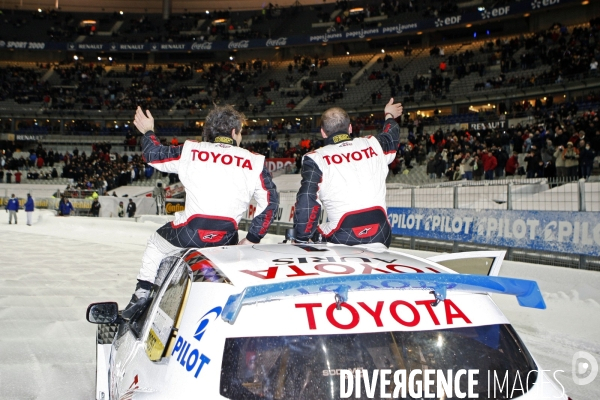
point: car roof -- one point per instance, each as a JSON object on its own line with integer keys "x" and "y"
{"x": 244, "y": 266}
{"x": 268, "y": 272}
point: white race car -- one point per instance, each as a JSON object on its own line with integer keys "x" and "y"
{"x": 320, "y": 322}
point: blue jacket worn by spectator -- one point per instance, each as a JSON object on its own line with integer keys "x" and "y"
{"x": 65, "y": 207}
{"x": 29, "y": 204}
{"x": 29, "y": 207}
{"x": 12, "y": 208}
{"x": 13, "y": 205}
{"x": 587, "y": 156}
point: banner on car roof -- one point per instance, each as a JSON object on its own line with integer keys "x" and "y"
{"x": 509, "y": 10}
{"x": 556, "y": 231}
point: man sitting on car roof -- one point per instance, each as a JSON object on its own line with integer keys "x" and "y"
{"x": 220, "y": 179}
{"x": 347, "y": 176}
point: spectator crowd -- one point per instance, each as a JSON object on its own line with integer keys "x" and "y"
{"x": 563, "y": 143}
{"x": 101, "y": 170}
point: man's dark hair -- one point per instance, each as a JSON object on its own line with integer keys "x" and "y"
{"x": 335, "y": 120}
{"x": 221, "y": 120}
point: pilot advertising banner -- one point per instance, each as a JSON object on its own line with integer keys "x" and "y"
{"x": 556, "y": 231}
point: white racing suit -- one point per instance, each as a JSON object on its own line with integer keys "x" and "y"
{"x": 347, "y": 177}
{"x": 220, "y": 179}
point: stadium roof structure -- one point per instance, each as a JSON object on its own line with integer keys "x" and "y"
{"x": 156, "y": 6}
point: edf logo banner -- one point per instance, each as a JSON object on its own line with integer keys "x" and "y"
{"x": 558, "y": 231}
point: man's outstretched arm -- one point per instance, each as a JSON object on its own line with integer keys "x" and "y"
{"x": 307, "y": 209}
{"x": 163, "y": 158}
{"x": 389, "y": 138}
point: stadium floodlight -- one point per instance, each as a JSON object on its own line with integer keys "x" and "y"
{"x": 121, "y": 12}
{"x": 75, "y": 58}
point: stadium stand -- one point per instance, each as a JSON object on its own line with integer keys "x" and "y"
{"x": 462, "y": 96}
{"x": 353, "y": 81}
{"x": 271, "y": 22}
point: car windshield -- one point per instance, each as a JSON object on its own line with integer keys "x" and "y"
{"x": 308, "y": 367}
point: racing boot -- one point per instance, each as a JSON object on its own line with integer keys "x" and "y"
{"x": 138, "y": 301}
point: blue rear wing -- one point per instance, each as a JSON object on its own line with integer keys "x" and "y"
{"x": 527, "y": 292}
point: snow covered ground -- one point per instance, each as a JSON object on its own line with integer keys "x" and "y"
{"x": 51, "y": 271}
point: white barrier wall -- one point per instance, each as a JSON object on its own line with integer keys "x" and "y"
{"x": 110, "y": 205}
{"x": 20, "y": 190}
{"x": 540, "y": 197}
{"x": 287, "y": 182}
